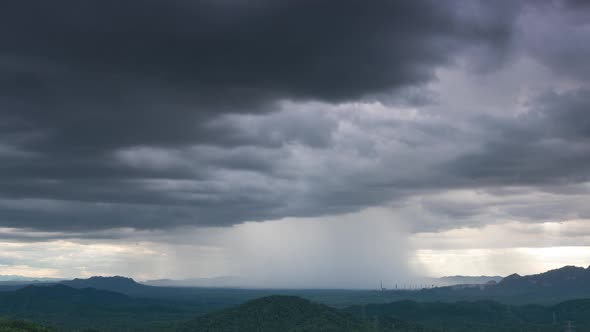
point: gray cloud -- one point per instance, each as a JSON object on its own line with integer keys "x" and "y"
{"x": 549, "y": 144}
{"x": 111, "y": 105}
{"x": 555, "y": 33}
{"x": 156, "y": 115}
{"x": 80, "y": 70}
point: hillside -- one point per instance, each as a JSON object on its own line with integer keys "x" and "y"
{"x": 277, "y": 313}
{"x": 7, "y": 325}
{"x": 65, "y": 307}
{"x": 68, "y": 308}
{"x": 290, "y": 313}
{"x": 119, "y": 303}
{"x": 482, "y": 315}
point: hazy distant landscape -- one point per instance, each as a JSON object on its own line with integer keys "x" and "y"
{"x": 543, "y": 302}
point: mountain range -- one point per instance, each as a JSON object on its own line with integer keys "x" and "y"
{"x": 550, "y": 287}
{"x": 237, "y": 282}
{"x": 220, "y": 282}
{"x": 16, "y": 278}
{"x": 224, "y": 281}
{"x": 70, "y": 309}
{"x": 464, "y": 280}
{"x": 567, "y": 277}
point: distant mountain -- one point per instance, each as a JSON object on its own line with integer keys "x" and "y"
{"x": 209, "y": 298}
{"x": 237, "y": 282}
{"x": 290, "y": 313}
{"x": 15, "y": 278}
{"x": 567, "y": 277}
{"x": 228, "y": 281}
{"x": 9, "y": 283}
{"x": 465, "y": 280}
{"x": 14, "y": 285}
{"x": 546, "y": 288}
{"x": 116, "y": 284}
{"x": 563, "y": 284}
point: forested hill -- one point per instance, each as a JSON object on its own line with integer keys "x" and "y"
{"x": 68, "y": 308}
{"x": 8, "y": 325}
{"x": 290, "y": 313}
{"x": 484, "y": 316}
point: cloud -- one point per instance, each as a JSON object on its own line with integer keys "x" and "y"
{"x": 98, "y": 75}
{"x": 160, "y": 115}
{"x": 502, "y": 261}
{"x": 554, "y": 32}
{"x": 548, "y": 144}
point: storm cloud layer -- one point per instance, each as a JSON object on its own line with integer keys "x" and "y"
{"x": 161, "y": 114}
{"x": 158, "y": 73}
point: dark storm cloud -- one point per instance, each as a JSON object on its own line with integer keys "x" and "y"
{"x": 549, "y": 144}
{"x": 155, "y": 114}
{"x": 102, "y": 74}
{"x": 556, "y": 33}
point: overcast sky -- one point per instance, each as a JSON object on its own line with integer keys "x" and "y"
{"x": 294, "y": 143}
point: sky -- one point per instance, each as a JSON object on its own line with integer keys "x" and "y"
{"x": 294, "y": 143}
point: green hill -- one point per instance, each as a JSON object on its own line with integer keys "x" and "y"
{"x": 482, "y": 315}
{"x": 72, "y": 309}
{"x": 277, "y": 313}
{"x": 7, "y": 325}
{"x": 290, "y": 314}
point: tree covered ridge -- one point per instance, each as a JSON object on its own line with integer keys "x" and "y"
{"x": 8, "y": 325}
{"x": 292, "y": 314}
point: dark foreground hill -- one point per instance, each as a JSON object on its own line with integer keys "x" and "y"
{"x": 483, "y": 316}
{"x": 67, "y": 308}
{"x": 7, "y": 325}
{"x": 70, "y": 309}
{"x": 277, "y": 313}
{"x": 290, "y": 313}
